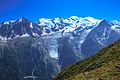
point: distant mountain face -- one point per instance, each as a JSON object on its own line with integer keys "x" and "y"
{"x": 23, "y": 59}
{"x": 102, "y": 35}
{"x": 64, "y": 41}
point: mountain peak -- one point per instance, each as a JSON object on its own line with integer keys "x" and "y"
{"x": 104, "y": 20}
{"x": 104, "y": 23}
{"x": 23, "y": 19}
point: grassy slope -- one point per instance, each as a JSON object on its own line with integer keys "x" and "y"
{"x": 105, "y": 65}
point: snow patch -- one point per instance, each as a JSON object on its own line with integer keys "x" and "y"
{"x": 6, "y": 22}
{"x": 25, "y": 35}
{"x": 31, "y": 25}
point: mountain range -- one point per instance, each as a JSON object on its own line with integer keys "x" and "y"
{"x": 45, "y": 47}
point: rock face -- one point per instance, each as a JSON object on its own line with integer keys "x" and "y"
{"x": 99, "y": 37}
{"x": 41, "y": 49}
{"x": 20, "y": 28}
{"x": 66, "y": 53}
{"x": 23, "y": 59}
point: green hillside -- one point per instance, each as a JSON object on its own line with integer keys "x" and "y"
{"x": 105, "y": 65}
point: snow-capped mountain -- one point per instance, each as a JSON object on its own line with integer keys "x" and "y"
{"x": 19, "y": 28}
{"x": 24, "y": 28}
{"x": 55, "y": 43}
{"x": 102, "y": 35}
{"x": 67, "y": 25}
{"x": 77, "y": 30}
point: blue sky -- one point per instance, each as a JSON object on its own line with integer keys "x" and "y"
{"x": 35, "y": 9}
